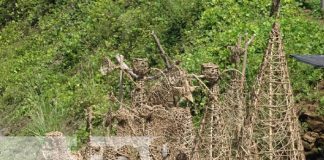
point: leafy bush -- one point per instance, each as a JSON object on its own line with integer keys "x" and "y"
{"x": 313, "y": 6}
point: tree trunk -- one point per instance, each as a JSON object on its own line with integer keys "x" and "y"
{"x": 275, "y": 8}
{"x": 322, "y": 5}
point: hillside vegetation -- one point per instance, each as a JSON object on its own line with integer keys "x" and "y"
{"x": 51, "y": 51}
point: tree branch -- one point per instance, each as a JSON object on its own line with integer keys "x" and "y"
{"x": 162, "y": 52}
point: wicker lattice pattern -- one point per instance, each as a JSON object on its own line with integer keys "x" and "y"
{"x": 171, "y": 88}
{"x": 272, "y": 130}
{"x": 214, "y": 137}
{"x": 231, "y": 128}
{"x": 156, "y": 114}
{"x": 234, "y": 97}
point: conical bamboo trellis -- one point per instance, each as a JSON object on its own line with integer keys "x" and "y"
{"x": 271, "y": 128}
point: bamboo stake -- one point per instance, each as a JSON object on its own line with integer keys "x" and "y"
{"x": 121, "y": 88}
{"x": 89, "y": 128}
{"x": 247, "y": 43}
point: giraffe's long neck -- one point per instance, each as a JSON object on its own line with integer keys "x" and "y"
{"x": 139, "y": 95}
{"x": 214, "y": 88}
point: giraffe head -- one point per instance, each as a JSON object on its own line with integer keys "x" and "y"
{"x": 140, "y": 66}
{"x": 210, "y": 72}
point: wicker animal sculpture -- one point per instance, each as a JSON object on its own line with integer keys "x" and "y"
{"x": 172, "y": 130}
{"x": 212, "y": 141}
{"x": 139, "y": 94}
{"x": 171, "y": 88}
{"x": 131, "y": 121}
{"x": 234, "y": 97}
{"x": 171, "y": 127}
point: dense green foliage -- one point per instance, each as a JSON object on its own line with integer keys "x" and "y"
{"x": 313, "y": 6}
{"x": 51, "y": 50}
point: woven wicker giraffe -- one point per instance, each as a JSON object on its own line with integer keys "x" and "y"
{"x": 131, "y": 121}
{"x": 174, "y": 83}
{"x": 234, "y": 97}
{"x": 171, "y": 87}
{"x": 139, "y": 94}
{"x": 271, "y": 129}
{"x": 213, "y": 141}
{"x": 171, "y": 125}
